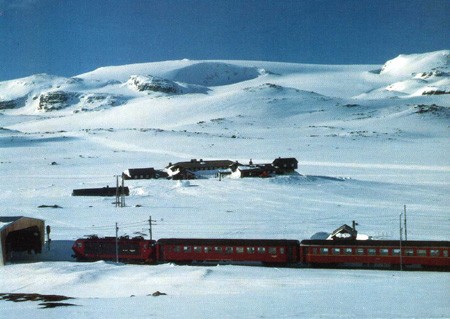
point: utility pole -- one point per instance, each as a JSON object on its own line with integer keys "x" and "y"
{"x": 406, "y": 231}
{"x": 122, "y": 199}
{"x": 117, "y": 244}
{"x": 401, "y": 237}
{"x": 354, "y": 224}
{"x": 48, "y": 229}
{"x": 117, "y": 190}
{"x": 150, "y": 221}
{"x": 120, "y": 192}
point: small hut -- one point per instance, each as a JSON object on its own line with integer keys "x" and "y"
{"x": 19, "y": 233}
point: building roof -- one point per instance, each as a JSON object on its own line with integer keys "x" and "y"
{"x": 6, "y": 220}
{"x": 286, "y": 159}
{"x": 200, "y": 164}
{"x": 344, "y": 232}
{"x": 227, "y": 241}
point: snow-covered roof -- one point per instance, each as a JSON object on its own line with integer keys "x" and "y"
{"x": 6, "y": 220}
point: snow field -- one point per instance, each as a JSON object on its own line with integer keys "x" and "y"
{"x": 364, "y": 151}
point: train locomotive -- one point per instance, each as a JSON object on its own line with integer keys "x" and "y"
{"x": 131, "y": 250}
{"x": 331, "y": 253}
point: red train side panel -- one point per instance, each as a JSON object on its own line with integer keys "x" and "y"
{"x": 427, "y": 254}
{"x": 265, "y": 251}
{"x": 129, "y": 249}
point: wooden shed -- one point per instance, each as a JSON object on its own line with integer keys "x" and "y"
{"x": 20, "y": 233}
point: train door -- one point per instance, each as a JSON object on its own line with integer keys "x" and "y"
{"x": 292, "y": 253}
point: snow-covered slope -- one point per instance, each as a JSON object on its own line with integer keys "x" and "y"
{"x": 418, "y": 74}
{"x": 405, "y": 65}
{"x": 367, "y": 141}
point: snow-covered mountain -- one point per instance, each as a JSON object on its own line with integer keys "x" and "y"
{"x": 369, "y": 139}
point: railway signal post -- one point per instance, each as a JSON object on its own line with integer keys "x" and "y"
{"x": 150, "y": 224}
{"x": 117, "y": 244}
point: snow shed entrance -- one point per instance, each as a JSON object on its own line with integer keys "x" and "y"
{"x": 18, "y": 234}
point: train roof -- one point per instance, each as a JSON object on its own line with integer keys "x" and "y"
{"x": 122, "y": 238}
{"x": 231, "y": 242}
{"x": 396, "y": 243}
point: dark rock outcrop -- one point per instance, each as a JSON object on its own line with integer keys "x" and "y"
{"x": 56, "y": 100}
{"x": 148, "y": 83}
{"x": 4, "y": 105}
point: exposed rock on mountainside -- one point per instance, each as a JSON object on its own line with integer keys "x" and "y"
{"x": 433, "y": 109}
{"x": 98, "y": 101}
{"x": 415, "y": 75}
{"x": 150, "y": 83}
{"x": 407, "y": 65}
{"x": 7, "y": 104}
{"x": 436, "y": 92}
{"x": 56, "y": 100}
{"x": 426, "y": 75}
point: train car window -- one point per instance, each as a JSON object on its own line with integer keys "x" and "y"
{"x": 409, "y": 252}
{"x": 445, "y": 252}
{"x": 208, "y": 249}
{"x": 250, "y": 250}
{"x": 371, "y": 251}
{"x": 421, "y": 252}
{"x": 197, "y": 249}
{"x": 396, "y": 252}
{"x": 336, "y": 251}
{"x": 240, "y": 250}
{"x": 314, "y": 251}
{"x": 360, "y": 251}
{"x": 187, "y": 249}
{"x": 228, "y": 250}
{"x": 261, "y": 250}
{"x": 348, "y": 251}
{"x": 384, "y": 251}
{"x": 282, "y": 250}
{"x": 272, "y": 250}
{"x": 218, "y": 249}
{"x": 324, "y": 251}
{"x": 434, "y": 252}
{"x": 176, "y": 249}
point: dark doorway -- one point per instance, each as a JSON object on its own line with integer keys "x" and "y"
{"x": 27, "y": 239}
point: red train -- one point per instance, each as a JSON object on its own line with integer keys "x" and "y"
{"x": 136, "y": 249}
{"x": 376, "y": 253}
{"x": 274, "y": 252}
{"x": 248, "y": 251}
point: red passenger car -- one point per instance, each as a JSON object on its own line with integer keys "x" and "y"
{"x": 135, "y": 249}
{"x": 262, "y": 251}
{"x": 376, "y": 253}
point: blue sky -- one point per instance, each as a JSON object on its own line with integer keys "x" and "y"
{"x": 69, "y": 37}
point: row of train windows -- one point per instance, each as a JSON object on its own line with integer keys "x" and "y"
{"x": 228, "y": 249}
{"x": 381, "y": 251}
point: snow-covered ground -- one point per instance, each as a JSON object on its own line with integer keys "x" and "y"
{"x": 369, "y": 139}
